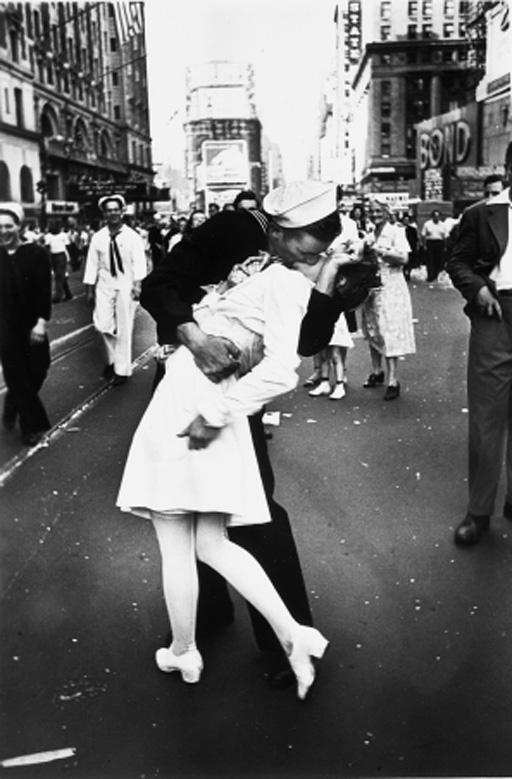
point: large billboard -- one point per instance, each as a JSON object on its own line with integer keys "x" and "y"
{"x": 226, "y": 162}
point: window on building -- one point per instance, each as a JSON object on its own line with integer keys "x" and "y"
{"x": 385, "y": 59}
{"x": 412, "y": 31}
{"x": 18, "y": 107}
{"x": 49, "y": 73}
{"x": 385, "y": 32}
{"x": 413, "y": 9}
{"x": 113, "y": 44}
{"x": 26, "y": 184}
{"x": 463, "y": 7}
{"x": 449, "y": 7}
{"x": 134, "y": 152}
{"x": 385, "y": 110}
{"x": 115, "y": 78}
{"x": 385, "y": 89}
{"x": 28, "y": 19}
{"x": 5, "y": 181}
{"x": 117, "y": 112}
{"x": 426, "y": 30}
{"x": 448, "y": 30}
{"x": 448, "y": 56}
{"x": 427, "y": 7}
{"x": 15, "y": 51}
{"x": 7, "y": 102}
{"x": 462, "y": 30}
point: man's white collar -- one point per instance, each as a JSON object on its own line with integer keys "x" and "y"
{"x": 503, "y": 197}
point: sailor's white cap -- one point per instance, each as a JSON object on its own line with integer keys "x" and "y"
{"x": 104, "y": 200}
{"x": 14, "y": 209}
{"x": 300, "y": 203}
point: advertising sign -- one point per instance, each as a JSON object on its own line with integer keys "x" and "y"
{"x": 226, "y": 162}
{"x": 449, "y": 139}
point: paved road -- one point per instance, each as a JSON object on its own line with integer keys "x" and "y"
{"x": 417, "y": 681}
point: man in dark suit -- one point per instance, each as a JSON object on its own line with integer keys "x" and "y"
{"x": 480, "y": 267}
{"x": 206, "y": 257}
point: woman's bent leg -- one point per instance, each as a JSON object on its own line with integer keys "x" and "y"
{"x": 179, "y": 576}
{"x": 247, "y": 576}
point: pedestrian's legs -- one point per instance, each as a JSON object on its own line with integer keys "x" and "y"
{"x": 176, "y": 538}
{"x": 338, "y": 357}
{"x": 247, "y": 576}
{"x": 489, "y": 388}
{"x": 10, "y": 411}
{"x": 376, "y": 359}
{"x": 125, "y": 308}
{"x": 25, "y": 367}
{"x": 59, "y": 275}
{"x": 392, "y": 365}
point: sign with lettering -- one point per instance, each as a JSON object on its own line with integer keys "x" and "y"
{"x": 226, "y": 162}
{"x": 449, "y": 139}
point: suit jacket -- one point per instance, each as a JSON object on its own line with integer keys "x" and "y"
{"x": 481, "y": 242}
{"x": 206, "y": 257}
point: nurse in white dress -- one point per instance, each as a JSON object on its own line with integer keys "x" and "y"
{"x": 192, "y": 468}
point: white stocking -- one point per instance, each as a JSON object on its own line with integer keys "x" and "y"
{"x": 176, "y": 537}
{"x": 243, "y": 572}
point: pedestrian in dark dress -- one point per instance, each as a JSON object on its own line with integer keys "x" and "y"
{"x": 413, "y": 239}
{"x": 25, "y": 309}
{"x": 168, "y": 293}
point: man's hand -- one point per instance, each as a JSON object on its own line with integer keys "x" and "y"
{"x": 38, "y": 332}
{"x": 326, "y": 280}
{"x": 200, "y": 435}
{"x": 216, "y": 357}
{"x": 487, "y": 303}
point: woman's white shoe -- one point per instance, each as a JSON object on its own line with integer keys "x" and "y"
{"x": 306, "y": 643}
{"x": 324, "y": 388}
{"x": 190, "y": 664}
{"x": 338, "y": 392}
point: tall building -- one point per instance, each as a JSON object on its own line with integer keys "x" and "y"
{"x": 74, "y": 120}
{"x": 416, "y": 63}
{"x": 223, "y": 132}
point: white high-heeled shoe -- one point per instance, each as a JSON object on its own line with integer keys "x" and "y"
{"x": 324, "y": 388}
{"x": 305, "y": 643}
{"x": 189, "y": 664}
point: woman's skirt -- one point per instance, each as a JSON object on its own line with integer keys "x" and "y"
{"x": 163, "y": 475}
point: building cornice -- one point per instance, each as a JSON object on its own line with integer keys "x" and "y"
{"x": 11, "y": 67}
{"x": 19, "y": 132}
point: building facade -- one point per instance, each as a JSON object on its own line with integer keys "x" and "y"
{"x": 223, "y": 133}
{"x": 73, "y": 105}
{"x": 417, "y": 63}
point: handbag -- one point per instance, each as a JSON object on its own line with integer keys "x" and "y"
{"x": 355, "y": 280}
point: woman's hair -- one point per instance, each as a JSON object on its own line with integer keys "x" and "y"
{"x": 325, "y": 229}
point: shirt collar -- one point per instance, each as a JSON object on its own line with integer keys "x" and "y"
{"x": 503, "y": 197}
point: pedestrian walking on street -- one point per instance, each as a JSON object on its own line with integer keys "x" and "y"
{"x": 480, "y": 267}
{"x": 56, "y": 242}
{"x": 25, "y": 310}
{"x": 433, "y": 235}
{"x": 114, "y": 269}
{"x": 192, "y": 467}
{"x": 207, "y": 257}
{"x": 387, "y": 313}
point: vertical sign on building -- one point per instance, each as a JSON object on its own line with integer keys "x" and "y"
{"x": 353, "y": 31}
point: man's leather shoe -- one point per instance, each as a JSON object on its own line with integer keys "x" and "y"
{"x": 119, "y": 380}
{"x": 32, "y": 439}
{"x": 281, "y": 678}
{"x": 471, "y": 530}
{"x": 108, "y": 372}
{"x": 507, "y": 510}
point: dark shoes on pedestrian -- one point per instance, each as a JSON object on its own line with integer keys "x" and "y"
{"x": 108, "y": 372}
{"x": 471, "y": 529}
{"x": 32, "y": 439}
{"x": 9, "y": 422}
{"x": 507, "y": 510}
{"x": 119, "y": 380}
{"x": 392, "y": 391}
{"x": 374, "y": 380}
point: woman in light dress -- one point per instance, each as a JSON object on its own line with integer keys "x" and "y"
{"x": 387, "y": 312}
{"x": 192, "y": 469}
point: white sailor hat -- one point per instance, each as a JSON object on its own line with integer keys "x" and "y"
{"x": 104, "y": 200}
{"x": 300, "y": 203}
{"x": 14, "y": 209}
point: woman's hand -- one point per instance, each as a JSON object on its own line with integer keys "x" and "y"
{"x": 200, "y": 435}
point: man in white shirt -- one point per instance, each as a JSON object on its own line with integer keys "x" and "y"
{"x": 433, "y": 234}
{"x": 481, "y": 268}
{"x": 114, "y": 269}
